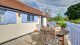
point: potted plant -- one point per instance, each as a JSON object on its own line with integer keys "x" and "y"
{"x": 62, "y": 24}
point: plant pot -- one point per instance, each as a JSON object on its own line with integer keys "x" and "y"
{"x": 64, "y": 31}
{"x": 62, "y": 28}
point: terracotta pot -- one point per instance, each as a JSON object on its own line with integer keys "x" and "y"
{"x": 36, "y": 30}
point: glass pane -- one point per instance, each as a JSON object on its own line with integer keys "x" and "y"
{"x": 24, "y": 18}
{"x": 35, "y": 18}
{"x": 2, "y": 17}
{"x": 28, "y": 17}
{"x": 11, "y": 17}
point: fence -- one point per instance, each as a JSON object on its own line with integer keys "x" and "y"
{"x": 74, "y": 34}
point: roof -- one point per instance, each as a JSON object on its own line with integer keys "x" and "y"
{"x": 14, "y": 4}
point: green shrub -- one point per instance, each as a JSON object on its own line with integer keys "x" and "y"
{"x": 62, "y": 24}
{"x": 75, "y": 21}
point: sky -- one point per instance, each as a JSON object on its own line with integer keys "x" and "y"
{"x": 53, "y": 6}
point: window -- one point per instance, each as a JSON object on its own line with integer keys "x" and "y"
{"x": 24, "y": 18}
{"x": 31, "y": 17}
{"x": 7, "y": 17}
{"x": 28, "y": 18}
{"x": 11, "y": 17}
{"x": 35, "y": 18}
{"x": 2, "y": 17}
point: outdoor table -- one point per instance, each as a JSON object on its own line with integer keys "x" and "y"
{"x": 47, "y": 35}
{"x": 61, "y": 35}
{"x": 52, "y": 32}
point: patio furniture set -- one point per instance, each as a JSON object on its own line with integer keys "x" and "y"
{"x": 50, "y": 36}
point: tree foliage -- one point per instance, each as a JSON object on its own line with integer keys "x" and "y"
{"x": 60, "y": 21}
{"x": 58, "y": 18}
{"x": 50, "y": 19}
{"x": 73, "y": 12}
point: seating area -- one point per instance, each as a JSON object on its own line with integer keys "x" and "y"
{"x": 46, "y": 36}
{"x": 49, "y": 36}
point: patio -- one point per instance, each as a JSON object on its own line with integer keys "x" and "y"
{"x": 32, "y": 39}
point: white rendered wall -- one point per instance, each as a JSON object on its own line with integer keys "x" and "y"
{"x": 38, "y": 23}
{"x": 11, "y": 31}
{"x": 44, "y": 21}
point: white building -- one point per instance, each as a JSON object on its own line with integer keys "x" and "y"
{"x": 17, "y": 19}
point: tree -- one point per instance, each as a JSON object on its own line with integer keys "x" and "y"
{"x": 73, "y": 12}
{"x": 50, "y": 19}
{"x": 58, "y": 17}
